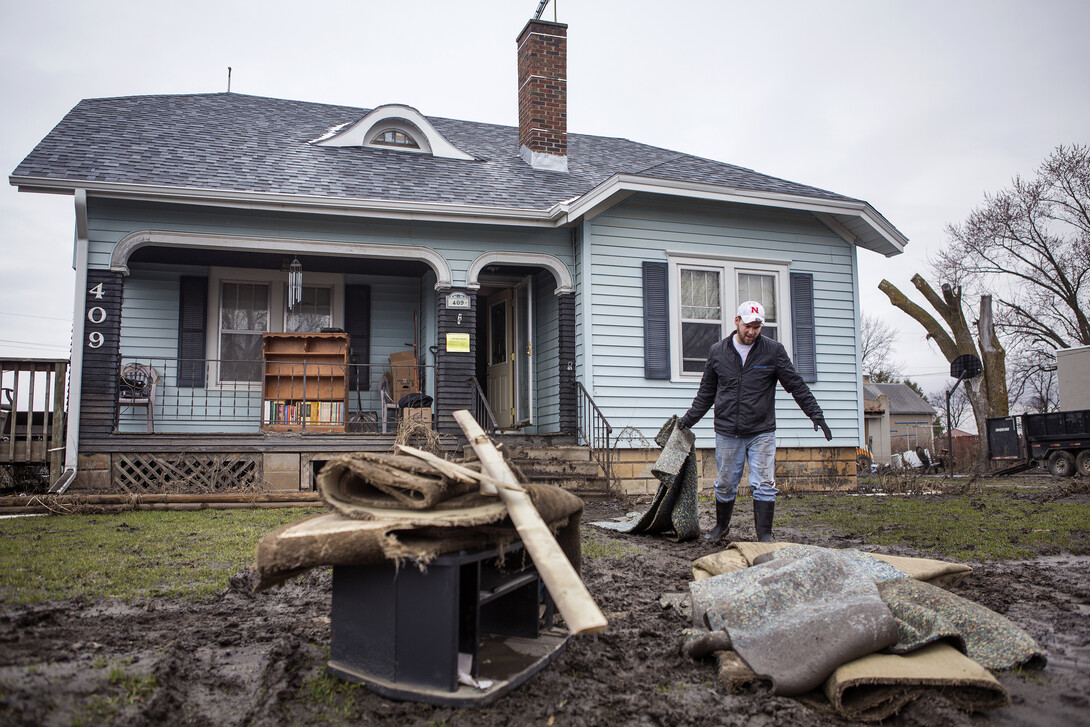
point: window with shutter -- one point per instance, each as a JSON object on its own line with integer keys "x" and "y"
{"x": 704, "y": 297}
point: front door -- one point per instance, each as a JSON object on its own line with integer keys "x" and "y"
{"x": 510, "y": 355}
{"x": 501, "y": 359}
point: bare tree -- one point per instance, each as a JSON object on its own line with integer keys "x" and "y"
{"x": 1029, "y": 246}
{"x": 959, "y": 406}
{"x": 987, "y": 393}
{"x": 877, "y": 338}
{"x": 1033, "y": 382}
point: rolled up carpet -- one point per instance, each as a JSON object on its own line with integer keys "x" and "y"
{"x": 877, "y": 686}
{"x": 353, "y": 483}
{"x": 414, "y": 537}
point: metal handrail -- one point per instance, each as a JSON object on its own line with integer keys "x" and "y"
{"x": 482, "y": 412}
{"x": 595, "y": 431}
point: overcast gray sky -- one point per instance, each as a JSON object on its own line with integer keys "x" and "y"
{"x": 919, "y": 107}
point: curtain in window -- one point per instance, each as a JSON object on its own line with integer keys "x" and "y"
{"x": 244, "y": 316}
{"x": 313, "y": 312}
{"x": 701, "y": 316}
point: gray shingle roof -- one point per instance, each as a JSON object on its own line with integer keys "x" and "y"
{"x": 903, "y": 400}
{"x": 250, "y": 144}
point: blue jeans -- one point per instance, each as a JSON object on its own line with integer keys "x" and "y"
{"x": 731, "y": 454}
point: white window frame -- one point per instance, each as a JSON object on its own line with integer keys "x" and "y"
{"x": 728, "y": 269}
{"x": 278, "y": 313}
{"x": 307, "y": 283}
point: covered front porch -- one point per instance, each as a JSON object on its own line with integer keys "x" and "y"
{"x": 178, "y": 379}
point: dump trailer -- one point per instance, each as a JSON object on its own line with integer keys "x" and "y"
{"x": 1058, "y": 440}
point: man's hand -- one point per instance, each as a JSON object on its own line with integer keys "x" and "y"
{"x": 820, "y": 422}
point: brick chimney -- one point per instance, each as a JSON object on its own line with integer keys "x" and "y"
{"x": 543, "y": 95}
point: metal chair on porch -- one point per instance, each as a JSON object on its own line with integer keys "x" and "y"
{"x": 138, "y": 382}
{"x": 387, "y": 403}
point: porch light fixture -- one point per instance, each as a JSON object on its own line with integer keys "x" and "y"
{"x": 295, "y": 283}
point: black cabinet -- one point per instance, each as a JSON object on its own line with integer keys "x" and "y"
{"x": 400, "y": 630}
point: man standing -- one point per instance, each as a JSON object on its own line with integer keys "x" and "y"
{"x": 740, "y": 379}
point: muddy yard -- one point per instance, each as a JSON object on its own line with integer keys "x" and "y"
{"x": 244, "y": 659}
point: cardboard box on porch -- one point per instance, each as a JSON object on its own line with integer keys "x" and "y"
{"x": 405, "y": 376}
{"x": 416, "y": 414}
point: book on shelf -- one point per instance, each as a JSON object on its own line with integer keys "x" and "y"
{"x": 280, "y": 411}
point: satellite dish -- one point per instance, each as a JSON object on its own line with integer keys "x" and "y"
{"x": 966, "y": 366}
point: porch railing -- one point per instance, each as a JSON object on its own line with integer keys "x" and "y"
{"x": 482, "y": 412}
{"x": 248, "y": 397}
{"x": 32, "y": 413}
{"x": 595, "y": 431}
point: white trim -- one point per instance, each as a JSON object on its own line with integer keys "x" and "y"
{"x": 727, "y": 268}
{"x": 550, "y": 262}
{"x": 886, "y": 239}
{"x": 75, "y": 371}
{"x": 857, "y": 311}
{"x": 426, "y": 135}
{"x": 833, "y": 224}
{"x": 141, "y": 238}
{"x": 304, "y": 204}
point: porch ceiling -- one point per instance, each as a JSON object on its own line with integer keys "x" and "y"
{"x": 152, "y": 254}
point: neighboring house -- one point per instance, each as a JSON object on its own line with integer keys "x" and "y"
{"x": 876, "y": 422}
{"x": 512, "y": 264}
{"x": 910, "y": 418}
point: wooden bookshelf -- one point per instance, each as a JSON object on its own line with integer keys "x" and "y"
{"x": 305, "y": 384}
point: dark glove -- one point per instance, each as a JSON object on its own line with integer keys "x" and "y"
{"x": 820, "y": 422}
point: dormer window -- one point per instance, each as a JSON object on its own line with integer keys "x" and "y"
{"x": 393, "y": 137}
{"x": 393, "y": 126}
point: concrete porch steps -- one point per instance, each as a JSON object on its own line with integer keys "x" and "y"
{"x": 568, "y": 466}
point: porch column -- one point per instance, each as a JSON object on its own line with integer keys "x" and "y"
{"x": 101, "y": 354}
{"x": 454, "y": 367}
{"x": 568, "y": 401}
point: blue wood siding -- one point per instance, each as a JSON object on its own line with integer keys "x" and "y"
{"x": 643, "y": 228}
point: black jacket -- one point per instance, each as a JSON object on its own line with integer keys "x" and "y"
{"x": 745, "y": 396}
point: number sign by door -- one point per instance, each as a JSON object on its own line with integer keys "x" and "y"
{"x": 96, "y": 315}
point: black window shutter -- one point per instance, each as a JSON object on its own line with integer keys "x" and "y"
{"x": 192, "y": 314}
{"x": 802, "y": 326}
{"x": 357, "y": 324}
{"x": 656, "y": 321}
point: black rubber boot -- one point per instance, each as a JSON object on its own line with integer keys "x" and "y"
{"x": 723, "y": 512}
{"x": 762, "y": 518}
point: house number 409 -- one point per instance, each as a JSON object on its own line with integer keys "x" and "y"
{"x": 96, "y": 315}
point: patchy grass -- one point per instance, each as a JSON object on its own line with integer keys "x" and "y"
{"x": 140, "y": 554}
{"x": 331, "y": 697}
{"x": 975, "y": 524}
{"x": 605, "y": 547}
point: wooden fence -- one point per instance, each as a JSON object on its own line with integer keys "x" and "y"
{"x": 32, "y": 415}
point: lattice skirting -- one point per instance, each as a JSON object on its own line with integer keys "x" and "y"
{"x": 187, "y": 473}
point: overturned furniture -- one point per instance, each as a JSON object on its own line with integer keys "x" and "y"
{"x": 437, "y": 586}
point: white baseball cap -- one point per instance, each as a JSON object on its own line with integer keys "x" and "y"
{"x": 751, "y": 311}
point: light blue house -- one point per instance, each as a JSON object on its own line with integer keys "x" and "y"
{"x": 533, "y": 275}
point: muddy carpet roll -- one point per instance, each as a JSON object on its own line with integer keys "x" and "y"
{"x": 353, "y": 484}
